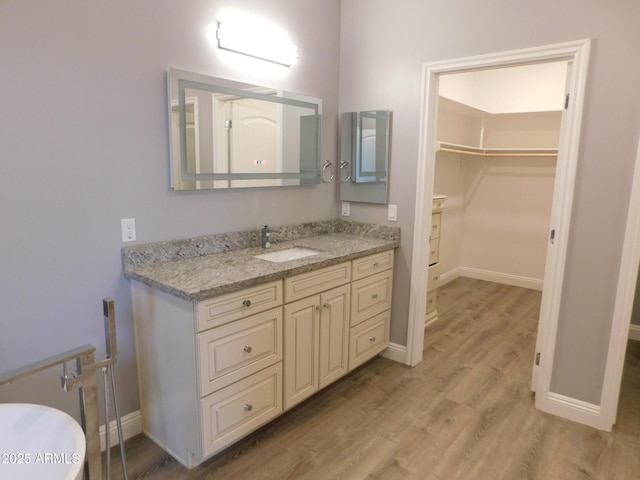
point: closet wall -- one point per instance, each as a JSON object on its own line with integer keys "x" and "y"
{"x": 497, "y": 170}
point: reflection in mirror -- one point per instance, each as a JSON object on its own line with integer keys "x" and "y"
{"x": 364, "y": 156}
{"x": 226, "y": 134}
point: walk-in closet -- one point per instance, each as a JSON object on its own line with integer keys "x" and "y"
{"x": 498, "y": 133}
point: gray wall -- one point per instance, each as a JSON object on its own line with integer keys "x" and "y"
{"x": 84, "y": 143}
{"x": 384, "y": 44}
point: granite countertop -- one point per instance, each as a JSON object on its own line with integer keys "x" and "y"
{"x": 200, "y": 274}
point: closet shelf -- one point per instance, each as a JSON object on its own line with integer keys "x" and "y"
{"x": 497, "y": 152}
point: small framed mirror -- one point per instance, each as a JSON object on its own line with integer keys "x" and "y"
{"x": 226, "y": 134}
{"x": 364, "y": 156}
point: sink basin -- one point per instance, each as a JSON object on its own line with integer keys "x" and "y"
{"x": 287, "y": 255}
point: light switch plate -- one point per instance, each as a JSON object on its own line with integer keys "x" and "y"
{"x": 346, "y": 209}
{"x": 393, "y": 213}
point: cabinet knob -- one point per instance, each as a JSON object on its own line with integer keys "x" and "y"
{"x": 376, "y": 264}
{"x": 326, "y": 305}
{"x": 318, "y": 307}
{"x": 372, "y": 339}
{"x": 248, "y": 407}
{"x": 247, "y": 348}
{"x": 246, "y": 303}
{"x": 374, "y": 296}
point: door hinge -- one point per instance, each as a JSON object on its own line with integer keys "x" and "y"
{"x": 566, "y": 101}
{"x": 228, "y": 124}
{"x": 552, "y": 236}
{"x": 538, "y": 359}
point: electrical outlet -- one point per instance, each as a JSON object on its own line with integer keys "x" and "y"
{"x": 128, "y": 229}
{"x": 393, "y": 213}
{"x": 346, "y": 209}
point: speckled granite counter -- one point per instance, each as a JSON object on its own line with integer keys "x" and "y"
{"x": 202, "y": 267}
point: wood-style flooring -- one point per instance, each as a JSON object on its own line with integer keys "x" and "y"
{"x": 466, "y": 412}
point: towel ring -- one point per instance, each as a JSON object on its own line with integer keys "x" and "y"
{"x": 328, "y": 165}
{"x": 344, "y": 164}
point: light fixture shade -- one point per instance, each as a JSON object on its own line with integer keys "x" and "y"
{"x": 257, "y": 41}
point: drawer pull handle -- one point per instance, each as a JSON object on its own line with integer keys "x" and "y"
{"x": 437, "y": 277}
{"x": 248, "y": 407}
{"x": 247, "y": 348}
{"x": 374, "y": 296}
{"x": 246, "y": 303}
{"x": 372, "y": 339}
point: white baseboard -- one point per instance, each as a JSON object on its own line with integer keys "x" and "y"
{"x": 490, "y": 276}
{"x": 396, "y": 352}
{"x": 131, "y": 426}
{"x": 634, "y": 332}
{"x": 573, "y": 409}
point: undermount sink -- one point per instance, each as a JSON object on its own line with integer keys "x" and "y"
{"x": 287, "y": 255}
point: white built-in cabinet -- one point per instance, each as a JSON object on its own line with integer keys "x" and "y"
{"x": 212, "y": 371}
{"x": 434, "y": 259}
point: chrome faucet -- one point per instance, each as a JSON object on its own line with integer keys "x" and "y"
{"x": 266, "y": 236}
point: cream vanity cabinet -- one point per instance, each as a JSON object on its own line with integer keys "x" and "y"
{"x": 316, "y": 330}
{"x": 209, "y": 372}
{"x": 212, "y": 371}
{"x": 434, "y": 259}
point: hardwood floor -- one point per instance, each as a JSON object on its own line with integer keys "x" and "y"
{"x": 466, "y": 412}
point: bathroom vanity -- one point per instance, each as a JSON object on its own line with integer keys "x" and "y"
{"x": 227, "y": 341}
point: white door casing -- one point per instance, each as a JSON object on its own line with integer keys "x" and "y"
{"x": 577, "y": 53}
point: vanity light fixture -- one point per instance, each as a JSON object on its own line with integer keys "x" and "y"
{"x": 259, "y": 41}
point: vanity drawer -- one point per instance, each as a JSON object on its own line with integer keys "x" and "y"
{"x": 240, "y": 408}
{"x": 368, "y": 339}
{"x": 363, "y": 267}
{"x": 232, "y": 306}
{"x": 370, "y": 296}
{"x": 316, "y": 281}
{"x": 432, "y": 299}
{"x": 436, "y": 220}
{"x": 434, "y": 251}
{"x": 235, "y": 350}
{"x": 438, "y": 203}
{"x": 434, "y": 277}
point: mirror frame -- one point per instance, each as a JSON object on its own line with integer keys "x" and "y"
{"x": 177, "y": 83}
{"x": 356, "y": 183}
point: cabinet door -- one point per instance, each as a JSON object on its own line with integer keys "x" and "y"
{"x": 301, "y": 342}
{"x": 334, "y": 334}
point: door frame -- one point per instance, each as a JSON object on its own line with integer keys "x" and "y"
{"x": 577, "y": 53}
{"x": 623, "y": 307}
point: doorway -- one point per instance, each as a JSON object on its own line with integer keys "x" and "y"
{"x": 576, "y": 55}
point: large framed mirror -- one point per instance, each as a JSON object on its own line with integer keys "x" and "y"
{"x": 364, "y": 156}
{"x": 226, "y": 134}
